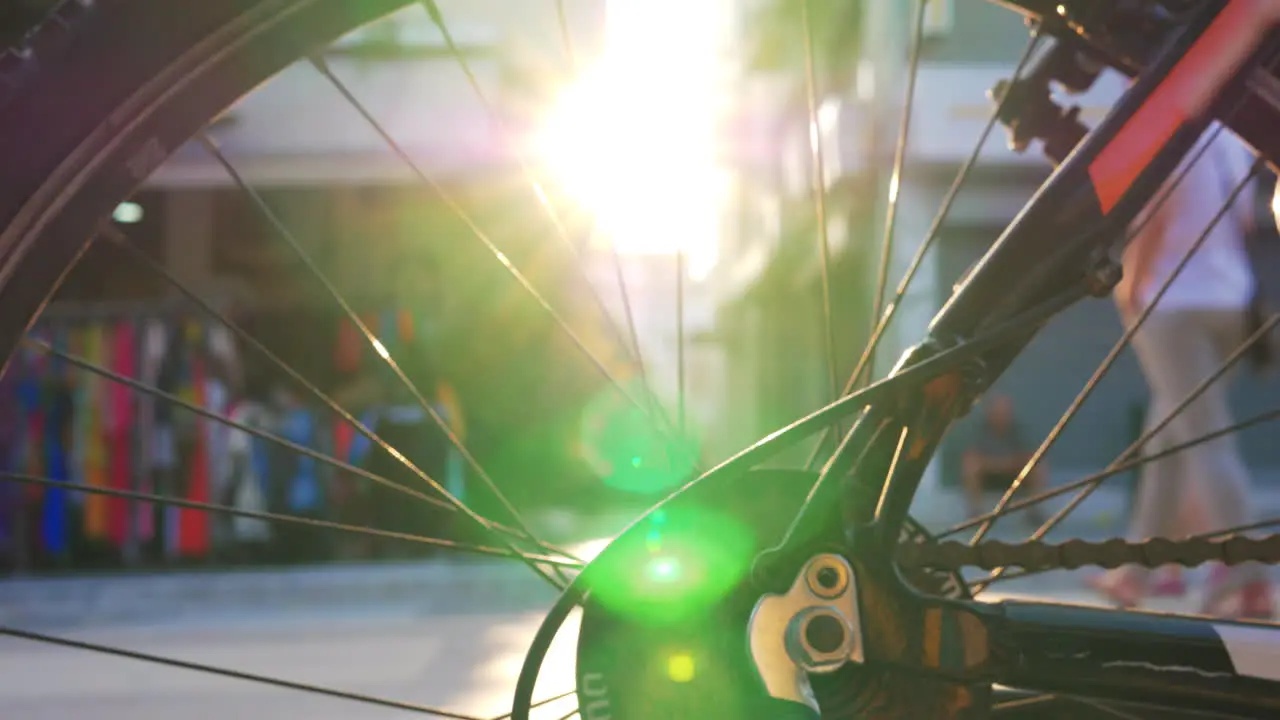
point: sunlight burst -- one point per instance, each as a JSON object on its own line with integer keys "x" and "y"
{"x": 634, "y": 140}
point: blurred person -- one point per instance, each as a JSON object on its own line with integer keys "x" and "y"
{"x": 221, "y": 385}
{"x": 357, "y": 507}
{"x": 352, "y": 493}
{"x": 247, "y": 469}
{"x": 12, "y": 497}
{"x": 1192, "y": 329}
{"x": 405, "y": 425}
{"x": 996, "y": 457}
{"x": 449, "y": 406}
{"x": 1169, "y": 580}
{"x": 296, "y": 483}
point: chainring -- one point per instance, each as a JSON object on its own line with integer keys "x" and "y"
{"x": 663, "y": 631}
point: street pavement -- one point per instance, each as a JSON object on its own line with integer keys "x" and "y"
{"x": 462, "y": 663}
{"x": 465, "y": 664}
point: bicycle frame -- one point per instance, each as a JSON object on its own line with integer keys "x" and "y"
{"x": 1221, "y": 66}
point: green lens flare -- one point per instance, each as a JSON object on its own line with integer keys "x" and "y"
{"x": 681, "y": 668}
{"x": 664, "y": 569}
{"x": 674, "y": 572}
{"x": 620, "y": 442}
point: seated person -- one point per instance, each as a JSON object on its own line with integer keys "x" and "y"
{"x": 998, "y": 454}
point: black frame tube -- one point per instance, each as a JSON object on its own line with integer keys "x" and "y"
{"x": 1185, "y": 663}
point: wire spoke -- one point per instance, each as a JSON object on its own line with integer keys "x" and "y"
{"x": 1123, "y": 343}
{"x": 1089, "y": 488}
{"x": 566, "y": 37}
{"x": 633, "y": 335}
{"x": 1032, "y": 701}
{"x": 632, "y": 339}
{"x": 930, "y": 239}
{"x": 656, "y": 418}
{"x": 1250, "y": 527}
{"x": 377, "y": 345}
{"x": 478, "y": 232}
{"x": 911, "y": 377}
{"x": 320, "y": 457}
{"x": 20, "y": 478}
{"x": 114, "y": 235}
{"x": 1239, "y": 352}
{"x": 227, "y": 672}
{"x": 1023, "y": 703}
{"x": 1116, "y": 469}
{"x": 120, "y": 240}
{"x": 1104, "y": 707}
{"x": 819, "y": 190}
{"x": 899, "y": 163}
{"x": 437, "y": 19}
{"x": 848, "y": 454}
{"x": 540, "y": 703}
{"x": 1212, "y": 535}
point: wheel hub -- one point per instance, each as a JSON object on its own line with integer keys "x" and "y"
{"x": 675, "y": 627}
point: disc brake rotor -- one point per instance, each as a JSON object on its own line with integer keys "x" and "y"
{"x": 663, "y": 630}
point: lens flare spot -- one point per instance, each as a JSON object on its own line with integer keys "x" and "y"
{"x": 664, "y": 569}
{"x": 681, "y": 668}
{"x": 675, "y": 571}
{"x": 621, "y": 445}
{"x": 128, "y": 213}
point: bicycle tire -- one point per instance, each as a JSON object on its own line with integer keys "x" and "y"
{"x": 103, "y": 92}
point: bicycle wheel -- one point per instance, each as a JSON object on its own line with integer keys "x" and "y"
{"x": 81, "y": 142}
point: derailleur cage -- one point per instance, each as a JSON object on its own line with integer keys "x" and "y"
{"x": 1090, "y": 36}
{"x": 1028, "y": 110}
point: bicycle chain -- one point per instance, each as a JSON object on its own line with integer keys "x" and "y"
{"x": 1040, "y": 556}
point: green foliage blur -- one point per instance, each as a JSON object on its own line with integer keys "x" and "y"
{"x": 678, "y": 564}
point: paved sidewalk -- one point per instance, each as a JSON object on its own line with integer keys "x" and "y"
{"x": 427, "y": 587}
{"x": 451, "y": 584}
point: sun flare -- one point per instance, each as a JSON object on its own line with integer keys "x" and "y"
{"x": 634, "y": 141}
